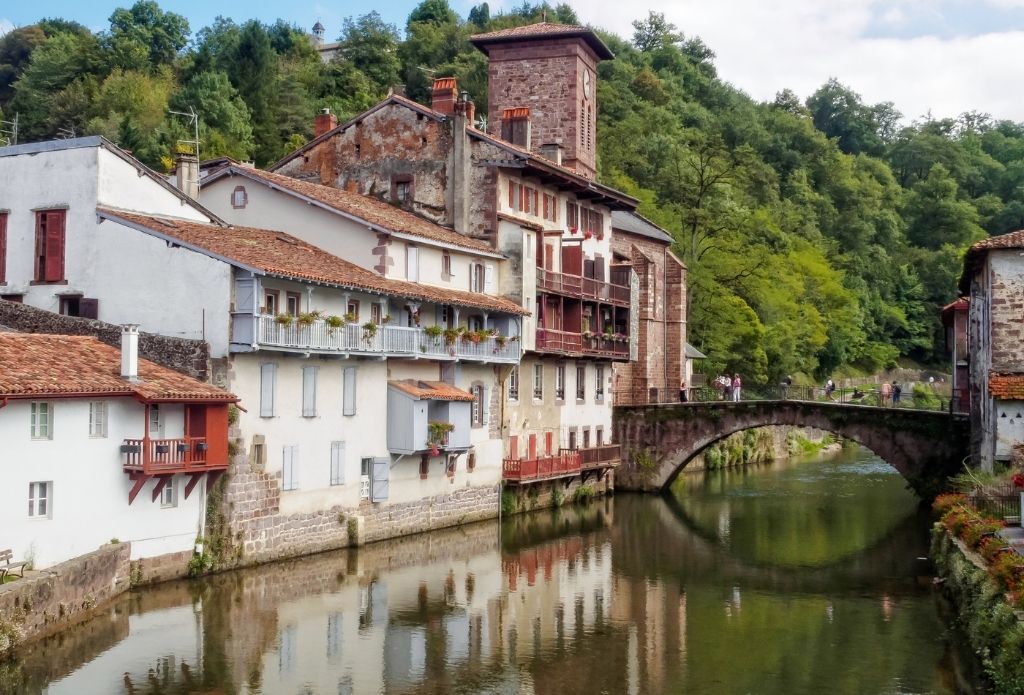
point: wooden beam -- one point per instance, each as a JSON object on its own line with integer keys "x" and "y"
{"x": 140, "y": 480}
{"x": 161, "y": 483}
{"x": 193, "y": 479}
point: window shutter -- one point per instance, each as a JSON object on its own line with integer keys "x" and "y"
{"x": 472, "y": 277}
{"x": 3, "y": 248}
{"x": 412, "y": 258}
{"x": 485, "y": 405}
{"x": 511, "y": 195}
{"x": 40, "y": 247}
{"x": 599, "y": 267}
{"x": 89, "y": 308}
{"x": 337, "y": 463}
{"x": 309, "y": 391}
{"x": 54, "y": 270}
{"x": 349, "y": 388}
{"x": 268, "y": 388}
{"x": 380, "y": 479}
{"x": 288, "y": 468}
{"x": 489, "y": 278}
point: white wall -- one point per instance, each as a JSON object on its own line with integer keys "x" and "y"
{"x": 120, "y": 186}
{"x": 90, "y": 490}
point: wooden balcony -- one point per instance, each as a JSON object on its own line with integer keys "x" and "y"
{"x": 565, "y": 464}
{"x": 580, "y": 287}
{"x": 577, "y": 345}
{"x": 386, "y": 341}
{"x": 602, "y": 456}
{"x": 167, "y": 456}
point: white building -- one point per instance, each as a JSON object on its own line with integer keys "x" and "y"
{"x": 84, "y": 427}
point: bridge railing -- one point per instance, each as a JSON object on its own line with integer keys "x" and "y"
{"x": 956, "y": 402}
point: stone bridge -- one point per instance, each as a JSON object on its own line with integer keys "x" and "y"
{"x": 926, "y": 447}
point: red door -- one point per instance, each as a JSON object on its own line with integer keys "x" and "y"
{"x": 513, "y": 447}
{"x": 532, "y": 447}
{"x": 547, "y": 442}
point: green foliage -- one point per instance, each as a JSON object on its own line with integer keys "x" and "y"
{"x": 584, "y": 494}
{"x": 509, "y": 503}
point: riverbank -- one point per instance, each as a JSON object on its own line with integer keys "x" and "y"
{"x": 994, "y": 629}
{"x": 764, "y": 445}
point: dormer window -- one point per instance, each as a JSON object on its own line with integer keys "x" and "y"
{"x": 239, "y": 198}
{"x": 401, "y": 190}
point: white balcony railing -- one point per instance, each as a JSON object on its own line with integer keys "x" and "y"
{"x": 385, "y": 341}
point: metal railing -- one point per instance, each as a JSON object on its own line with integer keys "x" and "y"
{"x": 387, "y": 340}
{"x": 996, "y": 501}
{"x": 153, "y": 456}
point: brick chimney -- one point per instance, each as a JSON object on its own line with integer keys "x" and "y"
{"x": 444, "y": 95}
{"x": 470, "y": 113}
{"x": 552, "y": 151}
{"x": 324, "y": 121}
{"x": 130, "y": 352}
{"x": 515, "y": 126}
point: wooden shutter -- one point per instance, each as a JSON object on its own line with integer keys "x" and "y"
{"x": 513, "y": 446}
{"x": 380, "y": 479}
{"x": 309, "y": 391}
{"x": 89, "y": 308}
{"x": 511, "y": 195}
{"x": 547, "y": 443}
{"x": 37, "y": 264}
{"x": 337, "y": 463}
{"x": 290, "y": 468}
{"x": 532, "y": 444}
{"x": 3, "y": 248}
{"x": 54, "y": 247}
{"x": 349, "y": 388}
{"x": 485, "y": 405}
{"x": 268, "y": 388}
{"x": 489, "y": 279}
{"x": 599, "y": 267}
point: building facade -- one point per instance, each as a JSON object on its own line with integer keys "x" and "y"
{"x": 91, "y": 426}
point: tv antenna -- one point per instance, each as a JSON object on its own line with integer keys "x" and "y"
{"x": 192, "y": 120}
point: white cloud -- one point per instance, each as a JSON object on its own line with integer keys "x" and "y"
{"x": 765, "y": 47}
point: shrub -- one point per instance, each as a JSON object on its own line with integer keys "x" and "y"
{"x": 584, "y": 493}
{"x": 943, "y": 503}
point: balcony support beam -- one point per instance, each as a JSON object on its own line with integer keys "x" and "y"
{"x": 161, "y": 483}
{"x": 140, "y": 481}
{"x": 193, "y": 479}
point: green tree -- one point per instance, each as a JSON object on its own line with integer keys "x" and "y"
{"x": 145, "y": 36}
{"x": 936, "y": 216}
{"x": 654, "y": 33}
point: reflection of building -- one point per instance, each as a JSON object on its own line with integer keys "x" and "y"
{"x": 993, "y": 280}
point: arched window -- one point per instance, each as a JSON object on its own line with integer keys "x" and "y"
{"x": 239, "y": 198}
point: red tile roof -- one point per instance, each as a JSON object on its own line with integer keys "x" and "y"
{"x": 431, "y": 390}
{"x": 366, "y": 208}
{"x": 44, "y": 365}
{"x": 1006, "y": 387}
{"x": 542, "y": 30}
{"x": 277, "y": 253}
{"x": 976, "y": 254}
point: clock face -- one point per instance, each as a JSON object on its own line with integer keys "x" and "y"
{"x": 586, "y": 83}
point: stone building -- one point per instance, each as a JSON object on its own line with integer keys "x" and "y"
{"x": 528, "y": 189}
{"x": 661, "y": 321}
{"x": 993, "y": 281}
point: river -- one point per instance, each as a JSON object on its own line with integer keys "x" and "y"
{"x": 799, "y": 577}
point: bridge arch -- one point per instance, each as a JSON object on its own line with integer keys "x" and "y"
{"x": 926, "y": 447}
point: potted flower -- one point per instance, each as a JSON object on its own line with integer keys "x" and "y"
{"x": 1018, "y": 480}
{"x": 369, "y": 330}
{"x": 284, "y": 319}
{"x": 450, "y": 336}
{"x": 434, "y": 333}
{"x": 386, "y": 319}
{"x": 573, "y": 229}
{"x": 308, "y": 318}
{"x": 588, "y": 234}
{"x": 334, "y": 322}
{"x": 350, "y": 317}
{"x": 437, "y": 435}
{"x": 500, "y": 340}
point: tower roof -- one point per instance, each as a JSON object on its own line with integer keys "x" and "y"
{"x": 318, "y": 27}
{"x": 542, "y": 31}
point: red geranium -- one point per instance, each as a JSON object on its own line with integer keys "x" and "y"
{"x": 1018, "y": 479}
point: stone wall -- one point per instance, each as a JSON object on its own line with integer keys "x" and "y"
{"x": 44, "y": 602}
{"x": 190, "y": 357}
{"x": 526, "y": 498}
{"x": 162, "y": 568}
{"x": 774, "y": 445}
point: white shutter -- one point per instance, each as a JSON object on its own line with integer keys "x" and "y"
{"x": 412, "y": 258}
{"x": 349, "y": 388}
{"x": 489, "y": 278}
{"x": 268, "y": 388}
{"x": 290, "y": 468}
{"x": 309, "y": 391}
{"x": 380, "y": 478}
{"x": 337, "y": 463}
{"x": 485, "y": 405}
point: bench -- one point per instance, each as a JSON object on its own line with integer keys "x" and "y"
{"x": 8, "y": 565}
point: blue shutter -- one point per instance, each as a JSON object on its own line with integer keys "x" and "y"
{"x": 349, "y": 387}
{"x": 268, "y": 389}
{"x": 309, "y": 391}
{"x": 337, "y": 463}
{"x": 379, "y": 479}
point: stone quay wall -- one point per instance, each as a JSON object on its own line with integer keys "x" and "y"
{"x": 527, "y": 498}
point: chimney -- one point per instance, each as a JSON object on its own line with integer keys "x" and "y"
{"x": 552, "y": 152}
{"x": 458, "y": 194}
{"x": 187, "y": 173}
{"x": 515, "y": 126}
{"x": 324, "y": 121}
{"x": 130, "y": 352}
{"x": 443, "y": 95}
{"x": 470, "y": 113}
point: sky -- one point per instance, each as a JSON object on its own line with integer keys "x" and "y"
{"x": 938, "y": 57}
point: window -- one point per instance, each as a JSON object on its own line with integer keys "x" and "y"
{"x": 401, "y": 190}
{"x": 271, "y": 302}
{"x": 39, "y": 496}
{"x": 477, "y": 390}
{"x": 549, "y": 438}
{"x": 599, "y": 383}
{"x": 169, "y": 494}
{"x": 572, "y": 216}
{"x": 446, "y": 265}
{"x": 290, "y": 468}
{"x": 513, "y": 195}
{"x": 375, "y": 313}
{"x": 513, "y": 446}
{"x": 77, "y": 305}
{"x": 513, "y": 384}
{"x": 294, "y": 301}
{"x": 353, "y": 308}
{"x": 349, "y": 392}
{"x": 449, "y": 465}
{"x": 528, "y": 256}
{"x": 268, "y": 389}
{"x": 560, "y": 382}
{"x": 18, "y": 298}
{"x": 156, "y": 430}
{"x": 239, "y": 198}
{"x": 309, "y": 375}
{"x": 475, "y": 322}
{"x": 424, "y": 466}
{"x": 581, "y": 382}
{"x": 572, "y": 438}
{"x": 42, "y": 420}
{"x": 49, "y": 258}
{"x": 412, "y": 263}
{"x": 586, "y": 437}
{"x": 337, "y": 463}
{"x": 3, "y": 247}
{"x": 365, "y": 469}
{"x": 599, "y": 435}
{"x": 471, "y": 461}
{"x": 538, "y": 381}
{"x": 98, "y": 419}
{"x": 476, "y": 277}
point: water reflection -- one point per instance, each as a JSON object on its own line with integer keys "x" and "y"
{"x": 631, "y": 595}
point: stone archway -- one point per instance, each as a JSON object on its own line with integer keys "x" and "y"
{"x": 926, "y": 447}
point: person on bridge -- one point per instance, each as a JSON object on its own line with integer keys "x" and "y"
{"x": 886, "y": 392}
{"x": 682, "y": 390}
{"x": 736, "y": 387}
{"x": 897, "y": 391}
{"x": 830, "y": 387}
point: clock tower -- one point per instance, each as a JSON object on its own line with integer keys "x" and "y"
{"x": 550, "y": 69}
